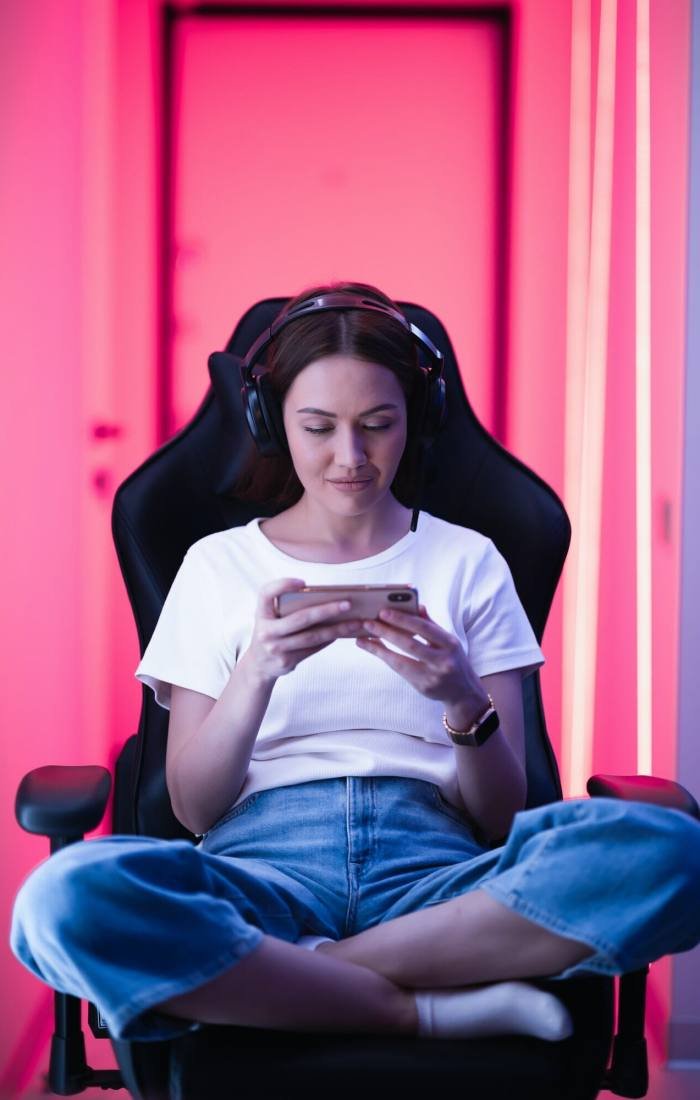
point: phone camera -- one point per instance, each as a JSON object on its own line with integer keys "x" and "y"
{"x": 399, "y": 597}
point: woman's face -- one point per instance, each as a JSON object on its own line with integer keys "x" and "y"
{"x": 345, "y": 421}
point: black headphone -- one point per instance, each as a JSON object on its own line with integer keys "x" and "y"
{"x": 261, "y": 406}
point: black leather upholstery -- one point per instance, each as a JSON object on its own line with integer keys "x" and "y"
{"x": 63, "y": 802}
{"x": 644, "y": 788}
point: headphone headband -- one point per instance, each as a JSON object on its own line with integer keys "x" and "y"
{"x": 337, "y": 300}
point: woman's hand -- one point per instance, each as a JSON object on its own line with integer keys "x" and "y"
{"x": 279, "y": 644}
{"x": 492, "y": 779}
{"x": 436, "y": 666}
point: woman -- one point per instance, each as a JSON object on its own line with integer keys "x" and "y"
{"x": 349, "y": 875}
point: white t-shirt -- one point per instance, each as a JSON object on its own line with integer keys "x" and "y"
{"x": 341, "y": 711}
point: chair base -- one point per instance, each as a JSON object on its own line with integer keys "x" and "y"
{"x": 629, "y": 1073}
{"x": 70, "y": 1074}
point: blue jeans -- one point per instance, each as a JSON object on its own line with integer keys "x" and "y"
{"x": 128, "y": 922}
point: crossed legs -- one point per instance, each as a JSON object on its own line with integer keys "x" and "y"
{"x": 366, "y": 982}
{"x": 465, "y": 941}
{"x": 180, "y": 912}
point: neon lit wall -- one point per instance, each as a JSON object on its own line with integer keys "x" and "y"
{"x": 80, "y": 127}
{"x": 41, "y": 443}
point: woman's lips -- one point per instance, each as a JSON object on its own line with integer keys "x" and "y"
{"x": 351, "y": 486}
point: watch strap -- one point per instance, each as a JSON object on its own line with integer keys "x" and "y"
{"x": 480, "y": 730}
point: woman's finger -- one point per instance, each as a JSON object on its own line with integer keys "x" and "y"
{"x": 309, "y": 616}
{"x": 319, "y": 635}
{"x": 266, "y": 598}
{"x": 405, "y": 666}
{"x": 400, "y": 638}
{"x": 415, "y": 624}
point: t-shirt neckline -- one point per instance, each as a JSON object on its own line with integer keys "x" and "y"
{"x": 387, "y": 554}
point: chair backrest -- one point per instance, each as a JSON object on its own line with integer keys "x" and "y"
{"x": 171, "y": 501}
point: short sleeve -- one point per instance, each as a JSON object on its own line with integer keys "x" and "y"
{"x": 188, "y": 647}
{"x": 498, "y": 631}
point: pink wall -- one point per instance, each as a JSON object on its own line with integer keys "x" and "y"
{"x": 670, "y": 62}
{"x": 80, "y": 200}
{"x": 77, "y": 206}
{"x": 538, "y": 241}
{"x": 40, "y": 435}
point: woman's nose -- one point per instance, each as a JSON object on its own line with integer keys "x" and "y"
{"x": 350, "y": 448}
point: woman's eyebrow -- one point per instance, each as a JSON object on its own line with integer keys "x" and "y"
{"x": 322, "y": 412}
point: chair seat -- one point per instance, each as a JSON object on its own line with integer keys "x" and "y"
{"x": 250, "y": 1063}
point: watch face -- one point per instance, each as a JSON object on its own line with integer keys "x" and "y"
{"x": 489, "y": 725}
{"x": 478, "y": 733}
{"x": 476, "y": 737}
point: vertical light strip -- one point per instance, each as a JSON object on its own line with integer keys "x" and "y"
{"x": 578, "y": 259}
{"x": 587, "y": 567}
{"x": 643, "y": 392}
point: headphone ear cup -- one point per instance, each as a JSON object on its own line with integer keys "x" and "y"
{"x": 256, "y": 420}
{"x": 260, "y": 406}
{"x": 271, "y": 415}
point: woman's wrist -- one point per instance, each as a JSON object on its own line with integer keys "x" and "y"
{"x": 463, "y": 714}
{"x": 256, "y": 680}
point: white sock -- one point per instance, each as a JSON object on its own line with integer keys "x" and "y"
{"x": 312, "y": 942}
{"x": 500, "y": 1009}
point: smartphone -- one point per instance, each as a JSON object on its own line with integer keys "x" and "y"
{"x": 366, "y": 600}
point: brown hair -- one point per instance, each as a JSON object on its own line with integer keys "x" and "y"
{"x": 364, "y": 334}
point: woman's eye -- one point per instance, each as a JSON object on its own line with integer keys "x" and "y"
{"x": 368, "y": 427}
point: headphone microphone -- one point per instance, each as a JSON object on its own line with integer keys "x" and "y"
{"x": 261, "y": 407}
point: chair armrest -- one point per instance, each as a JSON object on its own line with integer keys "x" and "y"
{"x": 644, "y": 788}
{"x": 62, "y": 801}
